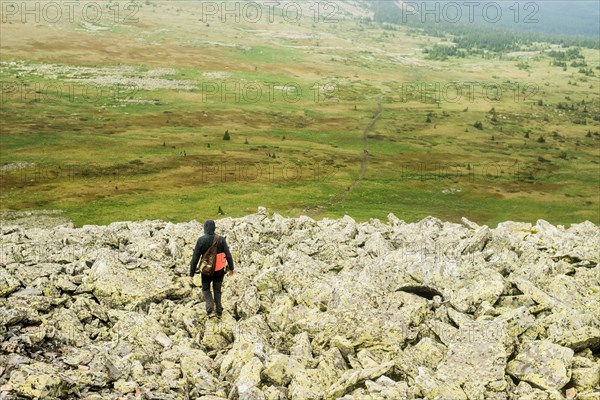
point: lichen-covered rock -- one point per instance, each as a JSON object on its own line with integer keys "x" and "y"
{"x": 120, "y": 287}
{"x": 195, "y": 366}
{"x": 387, "y": 389}
{"x": 577, "y": 331}
{"x": 249, "y": 379}
{"x": 427, "y": 353}
{"x": 242, "y": 352}
{"x": 308, "y": 384}
{"x": 8, "y": 284}
{"x": 302, "y": 349}
{"x": 352, "y": 378}
{"x": 66, "y": 327}
{"x": 432, "y": 388}
{"x": 38, "y": 380}
{"x": 280, "y": 369}
{"x": 586, "y": 379}
{"x": 480, "y": 351}
{"x": 543, "y": 364}
{"x": 585, "y": 376}
{"x": 136, "y": 334}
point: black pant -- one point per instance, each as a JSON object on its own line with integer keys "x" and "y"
{"x": 217, "y": 282}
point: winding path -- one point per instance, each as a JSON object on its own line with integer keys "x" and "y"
{"x": 365, "y": 158}
{"x": 363, "y": 164}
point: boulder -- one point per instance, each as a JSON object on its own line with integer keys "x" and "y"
{"x": 543, "y": 364}
{"x": 38, "y": 380}
{"x": 249, "y": 379}
{"x": 117, "y": 286}
{"x": 280, "y": 369}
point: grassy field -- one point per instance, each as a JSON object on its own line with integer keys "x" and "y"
{"x": 295, "y": 99}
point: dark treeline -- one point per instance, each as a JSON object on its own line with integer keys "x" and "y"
{"x": 471, "y": 37}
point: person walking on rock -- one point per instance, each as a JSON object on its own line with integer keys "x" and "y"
{"x": 223, "y": 258}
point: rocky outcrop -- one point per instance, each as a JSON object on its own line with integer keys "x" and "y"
{"x": 330, "y": 309}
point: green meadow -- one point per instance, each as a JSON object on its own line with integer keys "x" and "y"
{"x": 495, "y": 138}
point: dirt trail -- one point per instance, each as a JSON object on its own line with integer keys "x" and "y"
{"x": 363, "y": 165}
{"x": 365, "y": 158}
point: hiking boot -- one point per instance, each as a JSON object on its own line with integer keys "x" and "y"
{"x": 219, "y": 314}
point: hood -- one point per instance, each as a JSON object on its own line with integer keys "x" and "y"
{"x": 209, "y": 227}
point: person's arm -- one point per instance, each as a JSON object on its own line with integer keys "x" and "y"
{"x": 228, "y": 255}
{"x": 196, "y": 258}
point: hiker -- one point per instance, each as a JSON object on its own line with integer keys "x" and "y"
{"x": 223, "y": 258}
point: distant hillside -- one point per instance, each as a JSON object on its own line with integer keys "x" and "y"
{"x": 562, "y": 18}
{"x": 552, "y": 21}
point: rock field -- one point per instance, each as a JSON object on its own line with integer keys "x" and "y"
{"x": 330, "y": 309}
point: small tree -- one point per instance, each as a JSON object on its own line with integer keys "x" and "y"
{"x": 527, "y": 135}
{"x": 478, "y": 125}
{"x": 226, "y": 136}
{"x": 541, "y": 140}
{"x": 246, "y": 141}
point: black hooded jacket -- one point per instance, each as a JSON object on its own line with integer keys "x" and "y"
{"x": 204, "y": 242}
